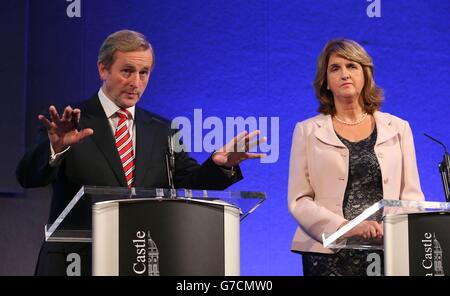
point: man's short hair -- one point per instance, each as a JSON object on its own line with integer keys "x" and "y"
{"x": 125, "y": 41}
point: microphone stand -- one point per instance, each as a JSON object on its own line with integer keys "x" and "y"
{"x": 170, "y": 166}
{"x": 444, "y": 169}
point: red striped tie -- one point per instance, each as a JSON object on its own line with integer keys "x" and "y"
{"x": 124, "y": 145}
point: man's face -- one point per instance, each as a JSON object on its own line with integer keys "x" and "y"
{"x": 126, "y": 80}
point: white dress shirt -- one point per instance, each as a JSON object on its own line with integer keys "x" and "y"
{"x": 110, "y": 109}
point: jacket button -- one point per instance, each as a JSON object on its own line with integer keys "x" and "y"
{"x": 380, "y": 155}
{"x": 386, "y": 181}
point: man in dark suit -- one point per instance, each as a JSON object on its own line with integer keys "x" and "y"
{"x": 115, "y": 143}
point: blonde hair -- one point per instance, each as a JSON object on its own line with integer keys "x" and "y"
{"x": 371, "y": 94}
{"x": 125, "y": 41}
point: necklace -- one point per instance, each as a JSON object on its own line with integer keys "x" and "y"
{"x": 354, "y": 122}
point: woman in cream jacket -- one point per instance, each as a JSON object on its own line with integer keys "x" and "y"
{"x": 345, "y": 159}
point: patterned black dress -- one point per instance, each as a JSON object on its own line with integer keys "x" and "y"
{"x": 364, "y": 188}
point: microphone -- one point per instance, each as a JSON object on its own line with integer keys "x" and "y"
{"x": 170, "y": 162}
{"x": 437, "y": 141}
{"x": 444, "y": 168}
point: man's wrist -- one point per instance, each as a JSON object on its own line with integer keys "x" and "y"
{"x": 55, "y": 158}
{"x": 229, "y": 170}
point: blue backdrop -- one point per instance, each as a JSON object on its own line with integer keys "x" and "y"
{"x": 253, "y": 58}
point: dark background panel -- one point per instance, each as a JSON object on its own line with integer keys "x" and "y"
{"x": 13, "y": 78}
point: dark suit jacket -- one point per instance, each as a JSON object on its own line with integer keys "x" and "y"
{"x": 96, "y": 161}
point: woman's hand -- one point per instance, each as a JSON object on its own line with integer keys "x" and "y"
{"x": 366, "y": 230}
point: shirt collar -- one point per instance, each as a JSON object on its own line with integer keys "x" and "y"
{"x": 110, "y": 107}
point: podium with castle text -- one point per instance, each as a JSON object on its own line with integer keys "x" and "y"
{"x": 416, "y": 239}
{"x": 151, "y": 232}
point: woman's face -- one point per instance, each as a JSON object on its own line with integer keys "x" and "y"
{"x": 345, "y": 78}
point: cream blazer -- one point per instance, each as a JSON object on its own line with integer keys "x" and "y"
{"x": 318, "y": 173}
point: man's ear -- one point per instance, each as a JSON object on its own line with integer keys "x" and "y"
{"x": 102, "y": 71}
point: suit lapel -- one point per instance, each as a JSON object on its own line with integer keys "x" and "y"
{"x": 325, "y": 131}
{"x": 94, "y": 117}
{"x": 384, "y": 128}
{"x": 145, "y": 135}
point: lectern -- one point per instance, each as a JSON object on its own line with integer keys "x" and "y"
{"x": 148, "y": 232}
{"x": 416, "y": 237}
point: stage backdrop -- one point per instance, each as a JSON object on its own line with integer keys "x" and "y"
{"x": 253, "y": 58}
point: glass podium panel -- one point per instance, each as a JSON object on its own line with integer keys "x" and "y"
{"x": 68, "y": 227}
{"x": 378, "y": 212}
